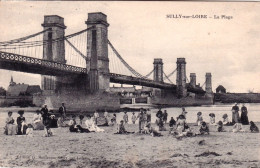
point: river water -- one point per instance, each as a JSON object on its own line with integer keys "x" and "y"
{"x": 219, "y": 110}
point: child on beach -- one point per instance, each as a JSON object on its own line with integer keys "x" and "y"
{"x": 21, "y": 125}
{"x": 10, "y": 128}
{"x": 253, "y": 127}
{"x": 199, "y": 118}
{"x": 237, "y": 127}
{"x": 226, "y": 120}
{"x": 113, "y": 119}
{"x": 133, "y": 118}
{"x": 48, "y": 122}
{"x": 125, "y": 118}
{"x": 29, "y": 130}
{"x": 165, "y": 116}
{"x": 212, "y": 119}
{"x": 204, "y": 129}
{"x": 220, "y": 127}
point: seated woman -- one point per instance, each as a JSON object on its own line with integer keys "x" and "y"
{"x": 52, "y": 120}
{"x": 180, "y": 124}
{"x": 159, "y": 122}
{"x": 212, "y": 119}
{"x": 204, "y": 129}
{"x": 81, "y": 117}
{"x": 172, "y": 122}
{"x": 10, "y": 128}
{"x": 113, "y": 119}
{"x": 73, "y": 124}
{"x": 21, "y": 123}
{"x": 121, "y": 128}
{"x": 37, "y": 121}
{"x": 91, "y": 125}
{"x": 226, "y": 120}
{"x": 220, "y": 127}
{"x": 152, "y": 131}
{"x": 253, "y": 127}
{"x": 237, "y": 127}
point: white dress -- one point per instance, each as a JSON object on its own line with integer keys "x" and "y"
{"x": 91, "y": 126}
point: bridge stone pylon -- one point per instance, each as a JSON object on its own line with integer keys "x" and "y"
{"x": 97, "y": 52}
{"x": 208, "y": 87}
{"x": 158, "y": 70}
{"x": 53, "y": 51}
{"x": 181, "y": 77}
{"x": 193, "y": 79}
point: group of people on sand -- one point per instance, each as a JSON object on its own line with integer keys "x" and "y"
{"x": 45, "y": 120}
{"x": 42, "y": 120}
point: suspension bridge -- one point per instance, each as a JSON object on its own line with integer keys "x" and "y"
{"x": 86, "y": 60}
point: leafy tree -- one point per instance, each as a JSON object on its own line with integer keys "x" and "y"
{"x": 2, "y": 91}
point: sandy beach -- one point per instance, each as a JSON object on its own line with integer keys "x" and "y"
{"x": 65, "y": 149}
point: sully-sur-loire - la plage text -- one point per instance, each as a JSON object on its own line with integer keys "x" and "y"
{"x": 180, "y": 16}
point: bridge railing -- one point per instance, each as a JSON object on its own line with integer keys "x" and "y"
{"x": 10, "y": 57}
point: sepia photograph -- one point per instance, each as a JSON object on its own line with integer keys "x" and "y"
{"x": 129, "y": 84}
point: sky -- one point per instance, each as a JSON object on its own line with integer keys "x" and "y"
{"x": 141, "y": 31}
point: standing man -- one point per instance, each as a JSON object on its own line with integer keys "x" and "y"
{"x": 45, "y": 114}
{"x": 62, "y": 110}
{"x": 165, "y": 116}
{"x": 96, "y": 116}
{"x": 141, "y": 118}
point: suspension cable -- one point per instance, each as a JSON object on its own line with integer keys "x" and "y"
{"x": 167, "y": 78}
{"x": 43, "y": 42}
{"x": 170, "y": 74}
{"x": 124, "y": 62}
{"x": 5, "y": 43}
{"x": 149, "y": 73}
{"x": 80, "y": 53}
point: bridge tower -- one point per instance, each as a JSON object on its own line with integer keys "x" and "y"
{"x": 53, "y": 51}
{"x": 97, "y": 52}
{"x": 193, "y": 79}
{"x": 181, "y": 77}
{"x": 208, "y": 87}
{"x": 158, "y": 70}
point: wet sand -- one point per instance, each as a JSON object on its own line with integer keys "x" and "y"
{"x": 65, "y": 149}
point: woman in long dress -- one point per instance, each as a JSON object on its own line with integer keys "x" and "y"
{"x": 37, "y": 121}
{"x": 10, "y": 128}
{"x": 181, "y": 122}
{"x": 244, "y": 117}
{"x": 21, "y": 123}
{"x": 235, "y": 114}
{"x": 91, "y": 124}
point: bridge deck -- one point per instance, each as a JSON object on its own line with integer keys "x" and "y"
{"x": 21, "y": 63}
{"x": 15, "y": 62}
{"x": 123, "y": 79}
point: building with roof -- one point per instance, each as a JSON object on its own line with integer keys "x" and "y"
{"x": 20, "y": 94}
{"x": 220, "y": 89}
